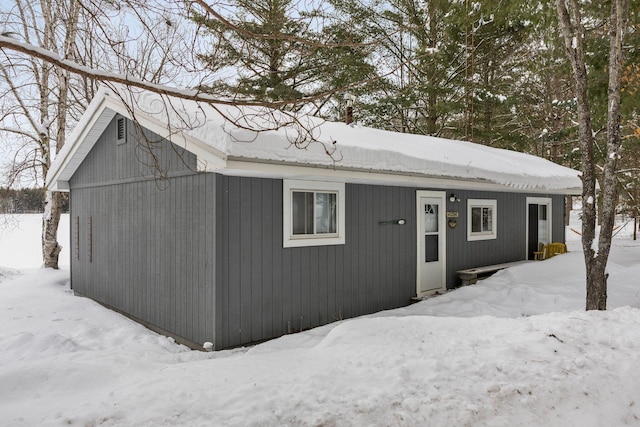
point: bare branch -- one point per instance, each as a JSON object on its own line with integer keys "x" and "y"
{"x": 103, "y": 76}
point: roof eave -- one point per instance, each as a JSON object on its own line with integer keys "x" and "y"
{"x": 277, "y": 169}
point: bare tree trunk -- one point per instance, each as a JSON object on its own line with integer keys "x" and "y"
{"x": 53, "y": 207}
{"x": 573, "y": 33}
{"x": 617, "y": 29}
{"x": 50, "y": 247}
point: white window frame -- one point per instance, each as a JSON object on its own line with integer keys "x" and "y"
{"x": 484, "y": 235}
{"x": 289, "y": 240}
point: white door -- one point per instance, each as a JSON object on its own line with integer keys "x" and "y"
{"x": 539, "y": 214}
{"x": 431, "y": 213}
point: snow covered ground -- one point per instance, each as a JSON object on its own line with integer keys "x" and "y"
{"x": 517, "y": 349}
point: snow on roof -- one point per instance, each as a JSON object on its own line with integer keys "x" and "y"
{"x": 357, "y": 148}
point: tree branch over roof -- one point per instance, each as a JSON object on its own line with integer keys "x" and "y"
{"x": 104, "y": 76}
{"x": 188, "y": 94}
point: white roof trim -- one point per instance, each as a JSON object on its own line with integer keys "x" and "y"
{"x": 82, "y": 140}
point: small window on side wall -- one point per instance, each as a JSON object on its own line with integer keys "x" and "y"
{"x": 121, "y": 130}
{"x": 313, "y": 213}
{"x": 482, "y": 219}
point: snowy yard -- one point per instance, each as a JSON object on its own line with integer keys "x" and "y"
{"x": 517, "y": 349}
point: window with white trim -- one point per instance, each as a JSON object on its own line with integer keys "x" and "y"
{"x": 313, "y": 213}
{"x": 482, "y": 218}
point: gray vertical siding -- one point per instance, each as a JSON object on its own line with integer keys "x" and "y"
{"x": 144, "y": 155}
{"x": 558, "y": 233}
{"x": 201, "y": 255}
{"x": 155, "y": 258}
{"x": 510, "y": 244}
{"x": 266, "y": 290}
{"x": 153, "y": 251}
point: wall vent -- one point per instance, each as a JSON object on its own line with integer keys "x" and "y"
{"x": 121, "y": 131}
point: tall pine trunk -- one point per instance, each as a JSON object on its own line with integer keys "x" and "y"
{"x": 573, "y": 34}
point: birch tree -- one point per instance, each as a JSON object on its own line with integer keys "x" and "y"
{"x": 572, "y": 25}
{"x": 36, "y": 98}
{"x": 41, "y": 100}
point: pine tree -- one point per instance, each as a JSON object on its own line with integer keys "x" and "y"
{"x": 273, "y": 51}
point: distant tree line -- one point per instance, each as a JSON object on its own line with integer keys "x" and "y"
{"x": 25, "y": 200}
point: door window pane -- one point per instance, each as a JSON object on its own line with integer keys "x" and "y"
{"x": 430, "y": 218}
{"x": 542, "y": 215}
{"x": 543, "y": 231}
{"x": 431, "y": 248}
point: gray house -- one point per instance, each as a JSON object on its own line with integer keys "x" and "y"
{"x": 247, "y": 237}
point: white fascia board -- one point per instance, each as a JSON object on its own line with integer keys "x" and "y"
{"x": 243, "y": 167}
{"x": 91, "y": 128}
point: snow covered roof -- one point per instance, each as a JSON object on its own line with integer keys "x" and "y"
{"x": 360, "y": 154}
